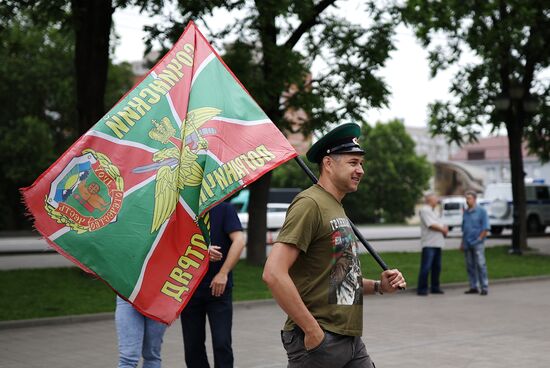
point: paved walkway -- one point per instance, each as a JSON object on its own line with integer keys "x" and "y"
{"x": 510, "y": 327}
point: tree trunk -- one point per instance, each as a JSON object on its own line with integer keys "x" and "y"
{"x": 259, "y": 191}
{"x": 257, "y": 222}
{"x": 515, "y": 151}
{"x": 92, "y": 24}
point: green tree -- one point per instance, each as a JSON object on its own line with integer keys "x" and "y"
{"x": 278, "y": 42}
{"x": 510, "y": 42}
{"x": 37, "y": 107}
{"x": 395, "y": 176}
{"x": 291, "y": 175}
{"x": 38, "y": 112}
{"x": 90, "y": 24}
{"x": 119, "y": 81}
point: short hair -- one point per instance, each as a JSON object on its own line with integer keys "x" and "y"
{"x": 470, "y": 193}
{"x": 334, "y": 156}
{"x": 429, "y": 194}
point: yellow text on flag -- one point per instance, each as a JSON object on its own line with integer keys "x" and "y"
{"x": 125, "y": 115}
{"x": 233, "y": 171}
{"x": 180, "y": 278}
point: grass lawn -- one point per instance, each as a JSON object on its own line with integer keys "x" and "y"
{"x": 68, "y": 291}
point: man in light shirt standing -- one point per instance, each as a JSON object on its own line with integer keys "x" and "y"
{"x": 432, "y": 233}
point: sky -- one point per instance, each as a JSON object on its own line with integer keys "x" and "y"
{"x": 406, "y": 73}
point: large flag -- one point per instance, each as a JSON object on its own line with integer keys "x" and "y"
{"x": 128, "y": 201}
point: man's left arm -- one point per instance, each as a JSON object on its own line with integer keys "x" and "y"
{"x": 219, "y": 281}
{"x": 483, "y": 235}
{"x": 484, "y": 225}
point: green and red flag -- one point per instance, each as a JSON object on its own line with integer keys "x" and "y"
{"x": 129, "y": 200}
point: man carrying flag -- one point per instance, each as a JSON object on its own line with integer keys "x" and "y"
{"x": 127, "y": 202}
{"x": 313, "y": 270}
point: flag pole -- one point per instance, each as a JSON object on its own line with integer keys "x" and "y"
{"x": 365, "y": 243}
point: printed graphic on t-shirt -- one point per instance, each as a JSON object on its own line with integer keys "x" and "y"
{"x": 345, "y": 283}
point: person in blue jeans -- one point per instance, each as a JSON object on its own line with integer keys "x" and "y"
{"x": 432, "y": 233}
{"x": 475, "y": 227}
{"x": 138, "y": 336}
{"x": 213, "y": 296}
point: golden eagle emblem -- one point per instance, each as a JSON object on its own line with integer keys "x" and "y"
{"x": 177, "y": 168}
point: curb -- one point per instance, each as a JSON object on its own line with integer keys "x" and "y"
{"x": 249, "y": 304}
{"x": 19, "y": 234}
{"x": 511, "y": 280}
{"x": 6, "y": 253}
{"x": 48, "y": 250}
{"x": 96, "y": 317}
{"x": 63, "y": 320}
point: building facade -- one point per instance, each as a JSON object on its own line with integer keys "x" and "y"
{"x": 434, "y": 148}
{"x": 491, "y": 156}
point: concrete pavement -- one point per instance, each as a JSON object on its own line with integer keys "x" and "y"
{"x": 510, "y": 327}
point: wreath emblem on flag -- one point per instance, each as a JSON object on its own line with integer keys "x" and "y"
{"x": 88, "y": 193}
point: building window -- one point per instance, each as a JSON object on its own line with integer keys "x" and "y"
{"x": 505, "y": 174}
{"x": 476, "y": 155}
{"x": 491, "y": 174}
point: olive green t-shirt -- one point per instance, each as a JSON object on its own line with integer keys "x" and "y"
{"x": 327, "y": 272}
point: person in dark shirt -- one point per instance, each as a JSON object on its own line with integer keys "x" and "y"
{"x": 213, "y": 296}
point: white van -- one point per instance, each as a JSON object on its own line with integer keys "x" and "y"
{"x": 498, "y": 202}
{"x": 452, "y": 209}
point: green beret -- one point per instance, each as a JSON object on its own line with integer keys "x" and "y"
{"x": 342, "y": 139}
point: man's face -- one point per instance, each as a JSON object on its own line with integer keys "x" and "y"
{"x": 432, "y": 200}
{"x": 470, "y": 201}
{"x": 346, "y": 171}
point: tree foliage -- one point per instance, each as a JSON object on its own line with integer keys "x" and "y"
{"x": 509, "y": 40}
{"x": 275, "y": 44}
{"x": 509, "y": 43}
{"x": 38, "y": 112}
{"x": 119, "y": 81}
{"x": 90, "y": 23}
{"x": 37, "y": 107}
{"x": 291, "y": 175}
{"x": 395, "y": 176}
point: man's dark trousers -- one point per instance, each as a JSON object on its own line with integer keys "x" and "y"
{"x": 430, "y": 261}
{"x": 193, "y": 323}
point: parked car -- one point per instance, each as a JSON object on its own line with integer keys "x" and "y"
{"x": 279, "y": 200}
{"x": 498, "y": 202}
{"x": 276, "y": 195}
{"x": 276, "y": 213}
{"x": 452, "y": 209}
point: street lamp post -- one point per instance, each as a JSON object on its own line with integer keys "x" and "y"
{"x": 516, "y": 99}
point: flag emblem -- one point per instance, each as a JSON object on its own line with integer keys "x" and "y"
{"x": 177, "y": 168}
{"x": 87, "y": 195}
